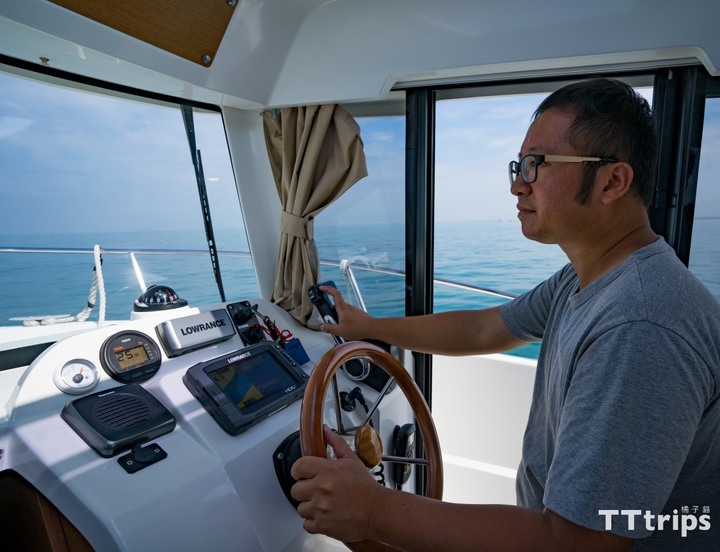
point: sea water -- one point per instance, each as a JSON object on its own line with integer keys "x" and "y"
{"x": 486, "y": 254}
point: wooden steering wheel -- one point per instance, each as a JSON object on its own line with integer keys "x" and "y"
{"x": 312, "y": 442}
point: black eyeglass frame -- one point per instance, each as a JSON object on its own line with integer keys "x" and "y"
{"x": 515, "y": 168}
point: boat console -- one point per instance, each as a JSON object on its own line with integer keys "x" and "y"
{"x": 160, "y": 433}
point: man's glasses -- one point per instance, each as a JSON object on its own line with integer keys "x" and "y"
{"x": 528, "y": 164}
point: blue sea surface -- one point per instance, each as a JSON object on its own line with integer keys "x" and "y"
{"x": 486, "y": 254}
{"x": 33, "y": 284}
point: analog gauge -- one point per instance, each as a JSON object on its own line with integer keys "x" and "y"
{"x": 76, "y": 376}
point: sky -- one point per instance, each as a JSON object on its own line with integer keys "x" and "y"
{"x": 475, "y": 140}
{"x": 73, "y": 162}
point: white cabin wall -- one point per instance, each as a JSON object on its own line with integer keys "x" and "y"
{"x": 480, "y": 405}
{"x": 259, "y": 200}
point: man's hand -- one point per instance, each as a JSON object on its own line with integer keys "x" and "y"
{"x": 340, "y": 498}
{"x": 336, "y": 497}
{"x": 353, "y": 323}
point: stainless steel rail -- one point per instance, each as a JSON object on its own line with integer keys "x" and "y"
{"x": 346, "y": 267}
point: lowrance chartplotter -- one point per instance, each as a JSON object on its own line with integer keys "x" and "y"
{"x": 244, "y": 387}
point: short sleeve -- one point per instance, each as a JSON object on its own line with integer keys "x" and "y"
{"x": 629, "y": 418}
{"x": 526, "y": 317}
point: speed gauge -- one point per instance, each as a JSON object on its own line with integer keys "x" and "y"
{"x": 76, "y": 376}
{"x": 130, "y": 357}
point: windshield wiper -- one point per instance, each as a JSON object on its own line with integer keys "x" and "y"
{"x": 187, "y": 114}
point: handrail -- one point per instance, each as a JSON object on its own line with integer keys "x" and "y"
{"x": 118, "y": 251}
{"x": 343, "y": 265}
{"x": 349, "y": 266}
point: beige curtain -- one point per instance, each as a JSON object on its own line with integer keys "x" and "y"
{"x": 316, "y": 154}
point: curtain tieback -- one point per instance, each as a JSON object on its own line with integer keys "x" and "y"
{"x": 301, "y": 227}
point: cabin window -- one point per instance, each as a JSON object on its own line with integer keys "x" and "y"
{"x": 478, "y": 240}
{"x": 365, "y": 227}
{"x": 82, "y": 168}
{"x": 704, "y": 249}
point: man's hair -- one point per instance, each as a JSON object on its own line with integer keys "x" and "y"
{"x": 611, "y": 120}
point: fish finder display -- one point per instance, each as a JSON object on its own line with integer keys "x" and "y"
{"x": 249, "y": 380}
{"x": 240, "y": 389}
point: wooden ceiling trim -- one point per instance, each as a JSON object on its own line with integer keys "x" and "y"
{"x": 190, "y": 29}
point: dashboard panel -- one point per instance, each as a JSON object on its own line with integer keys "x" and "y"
{"x": 211, "y": 488}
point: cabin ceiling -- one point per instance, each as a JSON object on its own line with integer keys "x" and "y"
{"x": 290, "y": 52}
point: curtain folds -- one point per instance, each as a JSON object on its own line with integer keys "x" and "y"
{"x": 316, "y": 154}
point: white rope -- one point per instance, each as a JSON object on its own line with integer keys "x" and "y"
{"x": 98, "y": 284}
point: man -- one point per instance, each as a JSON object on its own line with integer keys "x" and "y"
{"x": 622, "y": 448}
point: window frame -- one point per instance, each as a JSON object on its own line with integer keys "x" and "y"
{"x": 679, "y": 94}
{"x": 53, "y": 76}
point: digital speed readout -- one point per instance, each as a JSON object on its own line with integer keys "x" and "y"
{"x": 130, "y": 357}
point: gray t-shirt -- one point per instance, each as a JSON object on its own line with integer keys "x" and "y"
{"x": 625, "y": 419}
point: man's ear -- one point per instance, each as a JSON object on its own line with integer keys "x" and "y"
{"x": 616, "y": 179}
